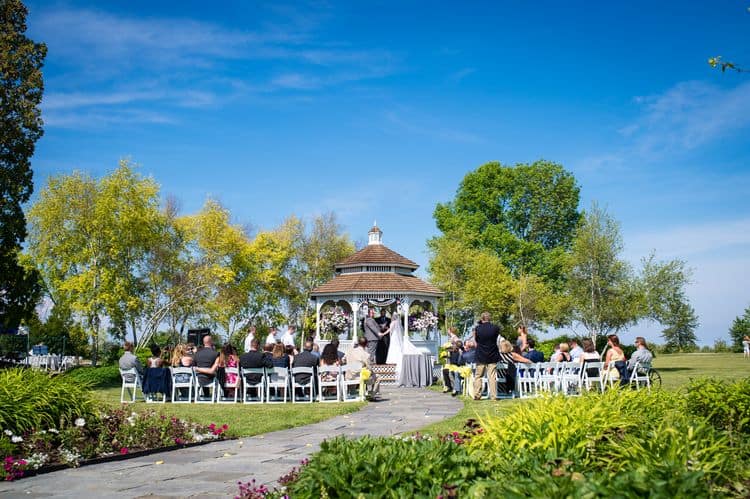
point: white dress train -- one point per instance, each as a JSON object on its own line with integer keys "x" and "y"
{"x": 400, "y": 345}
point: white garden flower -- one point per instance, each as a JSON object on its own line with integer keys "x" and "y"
{"x": 8, "y": 432}
{"x": 80, "y": 422}
{"x": 16, "y": 439}
{"x": 53, "y": 430}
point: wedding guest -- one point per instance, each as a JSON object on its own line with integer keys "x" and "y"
{"x": 456, "y": 359}
{"x": 615, "y": 360}
{"x": 279, "y": 358}
{"x": 305, "y": 359}
{"x": 180, "y": 358}
{"x": 453, "y": 334}
{"x": 589, "y": 351}
{"x": 454, "y": 354}
{"x": 271, "y": 339}
{"x": 533, "y": 354}
{"x": 359, "y": 354}
{"x": 255, "y": 359}
{"x": 316, "y": 349}
{"x": 229, "y": 358}
{"x": 511, "y": 358}
{"x": 342, "y": 357}
{"x": 641, "y": 355}
{"x": 288, "y": 338}
{"x": 291, "y": 352}
{"x": 575, "y": 350}
{"x": 155, "y": 360}
{"x": 562, "y": 354}
{"x": 249, "y": 338}
{"x": 746, "y": 347}
{"x": 329, "y": 358}
{"x": 487, "y": 357}
{"x": 130, "y": 361}
{"x": 470, "y": 352}
{"x": 206, "y": 362}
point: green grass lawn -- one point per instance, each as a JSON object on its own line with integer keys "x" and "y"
{"x": 243, "y": 419}
{"x": 676, "y": 370}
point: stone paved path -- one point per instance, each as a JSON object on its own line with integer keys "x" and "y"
{"x": 213, "y": 470}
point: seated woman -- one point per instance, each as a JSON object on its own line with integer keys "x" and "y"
{"x": 228, "y": 358}
{"x": 155, "y": 360}
{"x": 562, "y": 355}
{"x": 615, "y": 360}
{"x": 329, "y": 358}
{"x": 510, "y": 356}
{"x": 279, "y": 357}
{"x": 290, "y": 351}
{"x": 589, "y": 355}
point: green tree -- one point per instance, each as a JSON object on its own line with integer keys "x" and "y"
{"x": 680, "y": 323}
{"x": 317, "y": 247}
{"x": 605, "y": 295}
{"x": 89, "y": 239}
{"x": 21, "y": 89}
{"x": 525, "y": 214}
{"x": 739, "y": 329}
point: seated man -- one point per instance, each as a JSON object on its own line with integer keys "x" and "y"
{"x": 253, "y": 359}
{"x": 305, "y": 358}
{"x": 359, "y": 354}
{"x": 533, "y": 355}
{"x": 641, "y": 355}
{"x": 470, "y": 352}
{"x": 130, "y": 361}
{"x": 206, "y": 362}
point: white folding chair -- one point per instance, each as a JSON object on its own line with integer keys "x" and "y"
{"x": 640, "y": 376}
{"x": 249, "y": 386}
{"x": 303, "y": 387}
{"x": 131, "y": 380}
{"x": 525, "y": 379}
{"x": 234, "y": 387}
{"x": 502, "y": 380}
{"x": 328, "y": 379}
{"x": 277, "y": 380}
{"x": 593, "y": 375}
{"x": 182, "y": 379}
{"x": 569, "y": 378}
{"x": 212, "y": 386}
{"x": 346, "y": 383}
{"x": 546, "y": 378}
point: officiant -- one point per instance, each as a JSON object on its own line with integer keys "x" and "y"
{"x": 384, "y": 322}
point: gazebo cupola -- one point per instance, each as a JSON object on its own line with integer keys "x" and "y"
{"x": 375, "y": 276}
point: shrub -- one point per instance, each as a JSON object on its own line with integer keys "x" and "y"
{"x": 94, "y": 377}
{"x": 387, "y": 467}
{"x": 32, "y": 399}
{"x": 726, "y": 405}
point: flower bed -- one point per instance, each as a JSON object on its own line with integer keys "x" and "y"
{"x": 57, "y": 422}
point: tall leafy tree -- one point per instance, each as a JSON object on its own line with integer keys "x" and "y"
{"x": 317, "y": 247}
{"x": 739, "y": 329}
{"x": 680, "y": 322}
{"x": 90, "y": 238}
{"x": 21, "y": 88}
{"x": 525, "y": 214}
{"x": 605, "y": 295}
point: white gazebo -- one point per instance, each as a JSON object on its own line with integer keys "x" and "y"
{"x": 375, "y": 276}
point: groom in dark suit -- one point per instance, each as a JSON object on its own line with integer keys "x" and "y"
{"x": 373, "y": 334}
{"x": 385, "y": 342}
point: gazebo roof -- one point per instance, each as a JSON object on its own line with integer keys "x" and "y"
{"x": 376, "y": 282}
{"x": 377, "y": 254}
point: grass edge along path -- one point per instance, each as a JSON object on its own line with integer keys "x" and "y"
{"x": 244, "y": 420}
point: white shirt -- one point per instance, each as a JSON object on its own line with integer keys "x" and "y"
{"x": 248, "y": 339}
{"x": 288, "y": 338}
{"x": 575, "y": 352}
{"x": 271, "y": 338}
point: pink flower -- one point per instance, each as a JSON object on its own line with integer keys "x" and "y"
{"x": 123, "y": 450}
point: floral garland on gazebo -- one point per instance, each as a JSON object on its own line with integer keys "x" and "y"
{"x": 423, "y": 323}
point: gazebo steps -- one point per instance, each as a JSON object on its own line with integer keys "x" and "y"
{"x": 386, "y": 373}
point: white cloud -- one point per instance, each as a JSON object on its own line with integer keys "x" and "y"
{"x": 687, "y": 116}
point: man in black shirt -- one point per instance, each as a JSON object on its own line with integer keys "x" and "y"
{"x": 305, "y": 359}
{"x": 487, "y": 356}
{"x": 254, "y": 358}
{"x": 205, "y": 361}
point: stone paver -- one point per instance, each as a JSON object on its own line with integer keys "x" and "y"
{"x": 213, "y": 470}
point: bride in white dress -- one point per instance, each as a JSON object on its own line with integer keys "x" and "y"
{"x": 400, "y": 343}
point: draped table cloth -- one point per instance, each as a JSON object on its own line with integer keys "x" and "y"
{"x": 416, "y": 370}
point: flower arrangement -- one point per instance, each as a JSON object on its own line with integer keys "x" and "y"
{"x": 424, "y": 322}
{"x": 335, "y": 322}
{"x": 444, "y": 353}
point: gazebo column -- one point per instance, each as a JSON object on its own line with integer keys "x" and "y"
{"x": 354, "y": 303}
{"x": 318, "y": 306}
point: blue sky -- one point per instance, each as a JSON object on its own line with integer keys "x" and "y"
{"x": 377, "y": 110}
